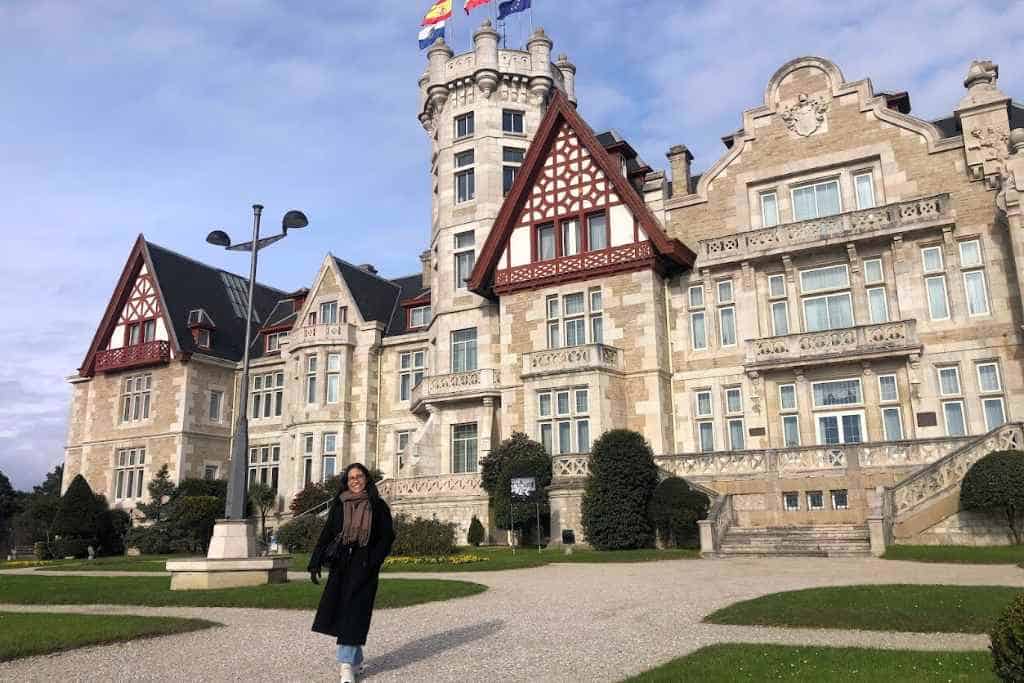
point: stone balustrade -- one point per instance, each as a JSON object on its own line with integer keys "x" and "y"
{"x": 430, "y": 487}
{"x": 456, "y": 386}
{"x": 324, "y": 333}
{"x": 848, "y": 343}
{"x": 569, "y": 466}
{"x": 571, "y": 359}
{"x": 818, "y": 232}
{"x": 785, "y": 461}
{"x": 721, "y": 516}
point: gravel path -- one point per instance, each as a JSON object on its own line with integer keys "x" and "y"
{"x": 568, "y": 622}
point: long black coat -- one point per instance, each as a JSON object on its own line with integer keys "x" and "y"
{"x": 346, "y": 605}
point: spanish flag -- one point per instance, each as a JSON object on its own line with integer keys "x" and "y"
{"x": 470, "y": 4}
{"x": 441, "y": 10}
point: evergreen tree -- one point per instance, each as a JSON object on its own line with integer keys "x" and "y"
{"x": 263, "y": 498}
{"x": 52, "y": 483}
{"x": 516, "y": 457}
{"x": 10, "y": 505}
{"x": 995, "y": 485}
{"x": 622, "y": 480}
{"x": 161, "y": 490}
{"x": 76, "y": 516}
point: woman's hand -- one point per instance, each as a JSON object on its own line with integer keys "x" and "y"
{"x": 314, "y": 576}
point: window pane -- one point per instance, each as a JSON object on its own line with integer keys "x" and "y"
{"x": 328, "y": 467}
{"x": 508, "y": 178}
{"x": 707, "y": 436}
{"x": 832, "y": 277}
{"x": 574, "y": 304}
{"x": 780, "y": 318}
{"x": 803, "y": 204}
{"x": 873, "y": 271}
{"x": 582, "y": 402}
{"x": 545, "y": 436}
{"x": 597, "y": 232}
{"x": 790, "y": 431}
{"x": 887, "y": 388}
{"x": 704, "y": 403}
{"x": 955, "y": 424}
{"x": 727, "y": 320}
{"x": 403, "y": 391}
{"x": 988, "y": 377}
{"x": 332, "y": 388}
{"x": 597, "y": 329}
{"x": 840, "y": 311}
{"x": 554, "y": 337}
{"x": 696, "y": 296}
{"x": 893, "y": 424}
{"x": 575, "y": 332}
{"x": 700, "y": 340}
{"x": 970, "y": 254}
{"x": 829, "y": 428}
{"x": 787, "y": 397}
{"x": 464, "y": 240}
{"x": 512, "y": 155}
{"x": 596, "y": 304}
{"x": 841, "y": 392}
{"x": 851, "y": 429}
{"x": 994, "y": 414}
{"x": 583, "y": 436}
{"x": 937, "y": 306}
{"x": 977, "y": 297}
{"x": 733, "y": 400}
{"x": 776, "y": 285}
{"x": 865, "y": 191}
{"x": 827, "y": 195}
{"x": 546, "y": 242}
{"x": 932, "y": 258}
{"x": 736, "y": 435}
{"x": 877, "y": 308}
{"x": 725, "y": 292}
{"x": 563, "y": 402}
{"x": 544, "y": 404}
{"x": 565, "y": 437}
{"x": 464, "y": 158}
{"x": 949, "y": 381}
{"x": 769, "y": 209}
{"x": 570, "y": 238}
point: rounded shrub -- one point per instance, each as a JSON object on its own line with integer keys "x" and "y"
{"x": 72, "y": 547}
{"x": 420, "y": 536}
{"x": 41, "y": 550}
{"x": 995, "y": 485}
{"x": 674, "y": 510}
{"x": 476, "y": 532}
{"x": 154, "y": 539}
{"x": 76, "y": 516}
{"x": 515, "y": 457}
{"x": 1008, "y": 642}
{"x": 313, "y": 494}
{"x": 622, "y": 480}
{"x": 300, "y": 534}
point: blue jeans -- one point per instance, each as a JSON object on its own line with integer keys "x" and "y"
{"x": 351, "y": 654}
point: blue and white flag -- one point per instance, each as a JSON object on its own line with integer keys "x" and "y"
{"x": 431, "y": 33}
{"x": 511, "y": 7}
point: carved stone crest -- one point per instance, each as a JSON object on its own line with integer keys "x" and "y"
{"x": 806, "y": 116}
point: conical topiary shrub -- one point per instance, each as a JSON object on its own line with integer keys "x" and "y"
{"x": 623, "y": 477}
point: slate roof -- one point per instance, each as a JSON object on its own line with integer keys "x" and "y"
{"x": 410, "y": 287}
{"x": 187, "y": 284}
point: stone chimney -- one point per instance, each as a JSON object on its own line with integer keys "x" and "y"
{"x": 368, "y": 267}
{"x": 679, "y": 159}
{"x": 425, "y": 264}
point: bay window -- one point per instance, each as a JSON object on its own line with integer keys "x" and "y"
{"x": 831, "y": 309}
{"x": 129, "y": 473}
{"x": 464, "y": 350}
{"x": 570, "y": 316}
{"x": 563, "y": 420}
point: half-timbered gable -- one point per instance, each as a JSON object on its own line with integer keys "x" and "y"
{"x": 571, "y": 214}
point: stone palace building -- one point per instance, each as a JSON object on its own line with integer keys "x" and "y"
{"x": 823, "y": 329}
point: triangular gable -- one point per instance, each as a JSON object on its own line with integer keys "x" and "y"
{"x": 564, "y": 143}
{"x": 329, "y": 281}
{"x": 137, "y": 296}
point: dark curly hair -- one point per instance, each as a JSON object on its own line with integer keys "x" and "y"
{"x": 371, "y": 487}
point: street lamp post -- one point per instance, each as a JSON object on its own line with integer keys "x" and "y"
{"x": 234, "y": 510}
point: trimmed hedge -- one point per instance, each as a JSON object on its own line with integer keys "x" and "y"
{"x": 622, "y": 480}
{"x": 674, "y": 510}
{"x": 1008, "y": 642}
{"x": 300, "y": 534}
{"x": 995, "y": 484}
{"x": 420, "y": 536}
{"x": 476, "y": 533}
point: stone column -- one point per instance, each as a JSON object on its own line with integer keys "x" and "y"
{"x": 486, "y": 433}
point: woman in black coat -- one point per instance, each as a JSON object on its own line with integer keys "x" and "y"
{"x": 354, "y": 542}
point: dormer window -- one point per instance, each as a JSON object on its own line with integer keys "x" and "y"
{"x": 419, "y": 316}
{"x": 273, "y": 341}
{"x": 197, "y": 317}
{"x": 329, "y": 313}
{"x": 202, "y": 337}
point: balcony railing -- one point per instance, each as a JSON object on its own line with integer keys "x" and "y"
{"x": 431, "y": 487}
{"x": 553, "y": 270}
{"x": 456, "y": 386}
{"x": 134, "y": 356}
{"x": 572, "y": 358}
{"x": 325, "y": 333}
{"x": 569, "y": 466}
{"x": 818, "y": 232}
{"x": 849, "y": 343}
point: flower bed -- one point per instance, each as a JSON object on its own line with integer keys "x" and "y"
{"x": 403, "y": 560}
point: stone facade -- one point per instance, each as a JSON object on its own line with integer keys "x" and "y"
{"x": 852, "y": 314}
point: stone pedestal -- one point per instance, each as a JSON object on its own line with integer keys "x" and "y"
{"x": 201, "y": 573}
{"x": 230, "y": 562}
{"x": 232, "y": 539}
{"x": 876, "y": 531}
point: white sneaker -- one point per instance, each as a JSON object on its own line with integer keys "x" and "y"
{"x": 347, "y": 676}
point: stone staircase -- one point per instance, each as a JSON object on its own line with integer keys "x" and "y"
{"x": 826, "y": 540}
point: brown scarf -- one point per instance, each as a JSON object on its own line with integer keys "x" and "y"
{"x": 358, "y": 518}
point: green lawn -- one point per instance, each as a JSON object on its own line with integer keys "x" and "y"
{"x": 736, "y": 662}
{"x": 900, "y": 607}
{"x": 141, "y": 563}
{"x": 155, "y": 591}
{"x": 959, "y": 554}
{"x": 24, "y": 634}
{"x": 500, "y": 558}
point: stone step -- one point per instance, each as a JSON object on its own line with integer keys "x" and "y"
{"x": 827, "y": 540}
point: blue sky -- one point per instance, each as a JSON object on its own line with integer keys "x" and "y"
{"x": 121, "y": 117}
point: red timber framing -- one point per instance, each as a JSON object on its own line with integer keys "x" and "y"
{"x": 137, "y": 298}
{"x": 541, "y": 189}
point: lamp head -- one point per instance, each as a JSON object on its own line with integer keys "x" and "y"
{"x": 219, "y": 238}
{"x": 293, "y": 220}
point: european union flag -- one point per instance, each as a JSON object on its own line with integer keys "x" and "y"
{"x": 511, "y": 7}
